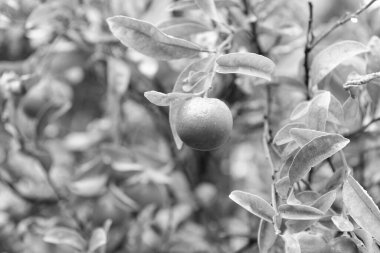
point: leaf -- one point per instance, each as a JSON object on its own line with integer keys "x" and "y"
{"x": 313, "y": 153}
{"x": 254, "y": 204}
{"x": 307, "y": 197}
{"x": 97, "y": 240}
{"x": 318, "y": 111}
{"x": 361, "y": 207}
{"x": 149, "y": 40}
{"x": 282, "y": 187}
{"x": 352, "y": 114}
{"x": 118, "y": 76}
{"x": 55, "y": 13}
{"x": 332, "y": 56}
{"x": 266, "y": 236}
{"x": 336, "y": 179}
{"x": 323, "y": 203}
{"x": 65, "y": 236}
{"x": 368, "y": 241}
{"x": 190, "y": 5}
{"x": 343, "y": 224}
{"x": 299, "y": 212}
{"x": 245, "y": 63}
{"x": 183, "y": 28}
{"x": 90, "y": 187}
{"x": 283, "y": 136}
{"x": 122, "y": 198}
{"x": 292, "y": 244}
{"x": 300, "y": 110}
{"x": 162, "y": 99}
{"x": 209, "y": 8}
{"x": 335, "y": 111}
{"x": 302, "y": 135}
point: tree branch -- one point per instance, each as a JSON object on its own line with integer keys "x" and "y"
{"x": 341, "y": 22}
{"x": 309, "y": 41}
{"x": 361, "y": 80}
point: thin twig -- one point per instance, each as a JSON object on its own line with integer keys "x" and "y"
{"x": 341, "y": 22}
{"x": 361, "y": 80}
{"x": 309, "y": 41}
{"x": 362, "y": 129}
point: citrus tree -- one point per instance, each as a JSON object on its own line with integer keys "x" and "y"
{"x": 126, "y": 125}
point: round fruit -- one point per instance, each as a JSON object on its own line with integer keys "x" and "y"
{"x": 343, "y": 245}
{"x": 204, "y": 123}
{"x": 34, "y": 102}
{"x": 311, "y": 242}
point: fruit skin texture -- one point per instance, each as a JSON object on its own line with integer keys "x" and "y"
{"x": 343, "y": 245}
{"x": 204, "y": 123}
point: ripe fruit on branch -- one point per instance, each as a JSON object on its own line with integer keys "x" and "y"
{"x": 204, "y": 123}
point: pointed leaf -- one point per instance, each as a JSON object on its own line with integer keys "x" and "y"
{"x": 283, "y": 136}
{"x": 253, "y": 204}
{"x": 336, "y": 179}
{"x": 209, "y": 8}
{"x": 299, "y": 212}
{"x": 352, "y": 114}
{"x": 90, "y": 186}
{"x": 332, "y": 56}
{"x": 302, "y": 135}
{"x": 266, "y": 236}
{"x": 97, "y": 240}
{"x": 190, "y": 5}
{"x": 283, "y": 187}
{"x": 318, "y": 111}
{"x": 182, "y": 27}
{"x": 313, "y": 153}
{"x": 65, "y": 236}
{"x": 245, "y": 63}
{"x": 162, "y": 99}
{"x": 300, "y": 110}
{"x": 323, "y": 203}
{"x": 335, "y": 111}
{"x": 361, "y": 207}
{"x": 149, "y": 40}
{"x": 122, "y": 198}
{"x": 118, "y": 76}
{"x": 343, "y": 224}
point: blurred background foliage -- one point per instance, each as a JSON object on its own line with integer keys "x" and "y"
{"x": 95, "y": 150}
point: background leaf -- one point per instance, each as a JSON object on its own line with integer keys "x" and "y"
{"x": 97, "y": 240}
{"x": 209, "y": 8}
{"x": 65, "y": 236}
{"x": 332, "y": 56}
{"x": 246, "y": 64}
{"x": 149, "y": 40}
